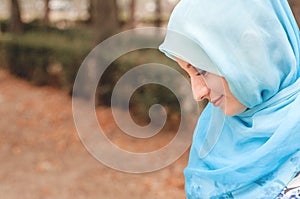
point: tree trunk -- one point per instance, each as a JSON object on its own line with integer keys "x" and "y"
{"x": 105, "y": 18}
{"x": 157, "y": 21}
{"x": 132, "y": 21}
{"x": 105, "y": 21}
{"x": 15, "y": 23}
{"x": 47, "y": 12}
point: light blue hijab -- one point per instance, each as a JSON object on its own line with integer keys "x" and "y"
{"x": 255, "y": 45}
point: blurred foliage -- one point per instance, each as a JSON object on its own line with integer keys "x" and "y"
{"x": 4, "y": 23}
{"x": 46, "y": 55}
{"x": 147, "y": 95}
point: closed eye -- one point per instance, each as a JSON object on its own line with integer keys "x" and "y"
{"x": 200, "y": 72}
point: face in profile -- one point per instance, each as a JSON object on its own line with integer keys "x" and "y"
{"x": 212, "y": 87}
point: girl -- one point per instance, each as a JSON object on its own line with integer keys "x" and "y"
{"x": 243, "y": 57}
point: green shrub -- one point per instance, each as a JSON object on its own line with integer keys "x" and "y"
{"x": 33, "y": 56}
{"x": 49, "y": 56}
{"x": 145, "y": 96}
{"x": 4, "y": 25}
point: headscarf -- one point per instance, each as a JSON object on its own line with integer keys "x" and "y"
{"x": 255, "y": 45}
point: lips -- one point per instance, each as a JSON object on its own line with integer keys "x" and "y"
{"x": 217, "y": 102}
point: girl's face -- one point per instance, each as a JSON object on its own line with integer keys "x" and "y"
{"x": 213, "y": 87}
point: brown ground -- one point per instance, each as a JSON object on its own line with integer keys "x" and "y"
{"x": 42, "y": 157}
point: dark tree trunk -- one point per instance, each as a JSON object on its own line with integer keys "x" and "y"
{"x": 132, "y": 21}
{"x": 157, "y": 21}
{"x": 105, "y": 18}
{"x": 47, "y": 12}
{"x": 15, "y": 23}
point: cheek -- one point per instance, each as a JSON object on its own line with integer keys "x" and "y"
{"x": 216, "y": 84}
{"x": 231, "y": 106}
{"x": 196, "y": 84}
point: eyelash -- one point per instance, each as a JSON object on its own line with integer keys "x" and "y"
{"x": 201, "y": 72}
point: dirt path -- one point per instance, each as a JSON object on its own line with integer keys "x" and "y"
{"x": 42, "y": 157}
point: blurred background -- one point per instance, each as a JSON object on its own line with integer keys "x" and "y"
{"x": 42, "y": 45}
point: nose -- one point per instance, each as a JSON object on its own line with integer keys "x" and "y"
{"x": 199, "y": 88}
